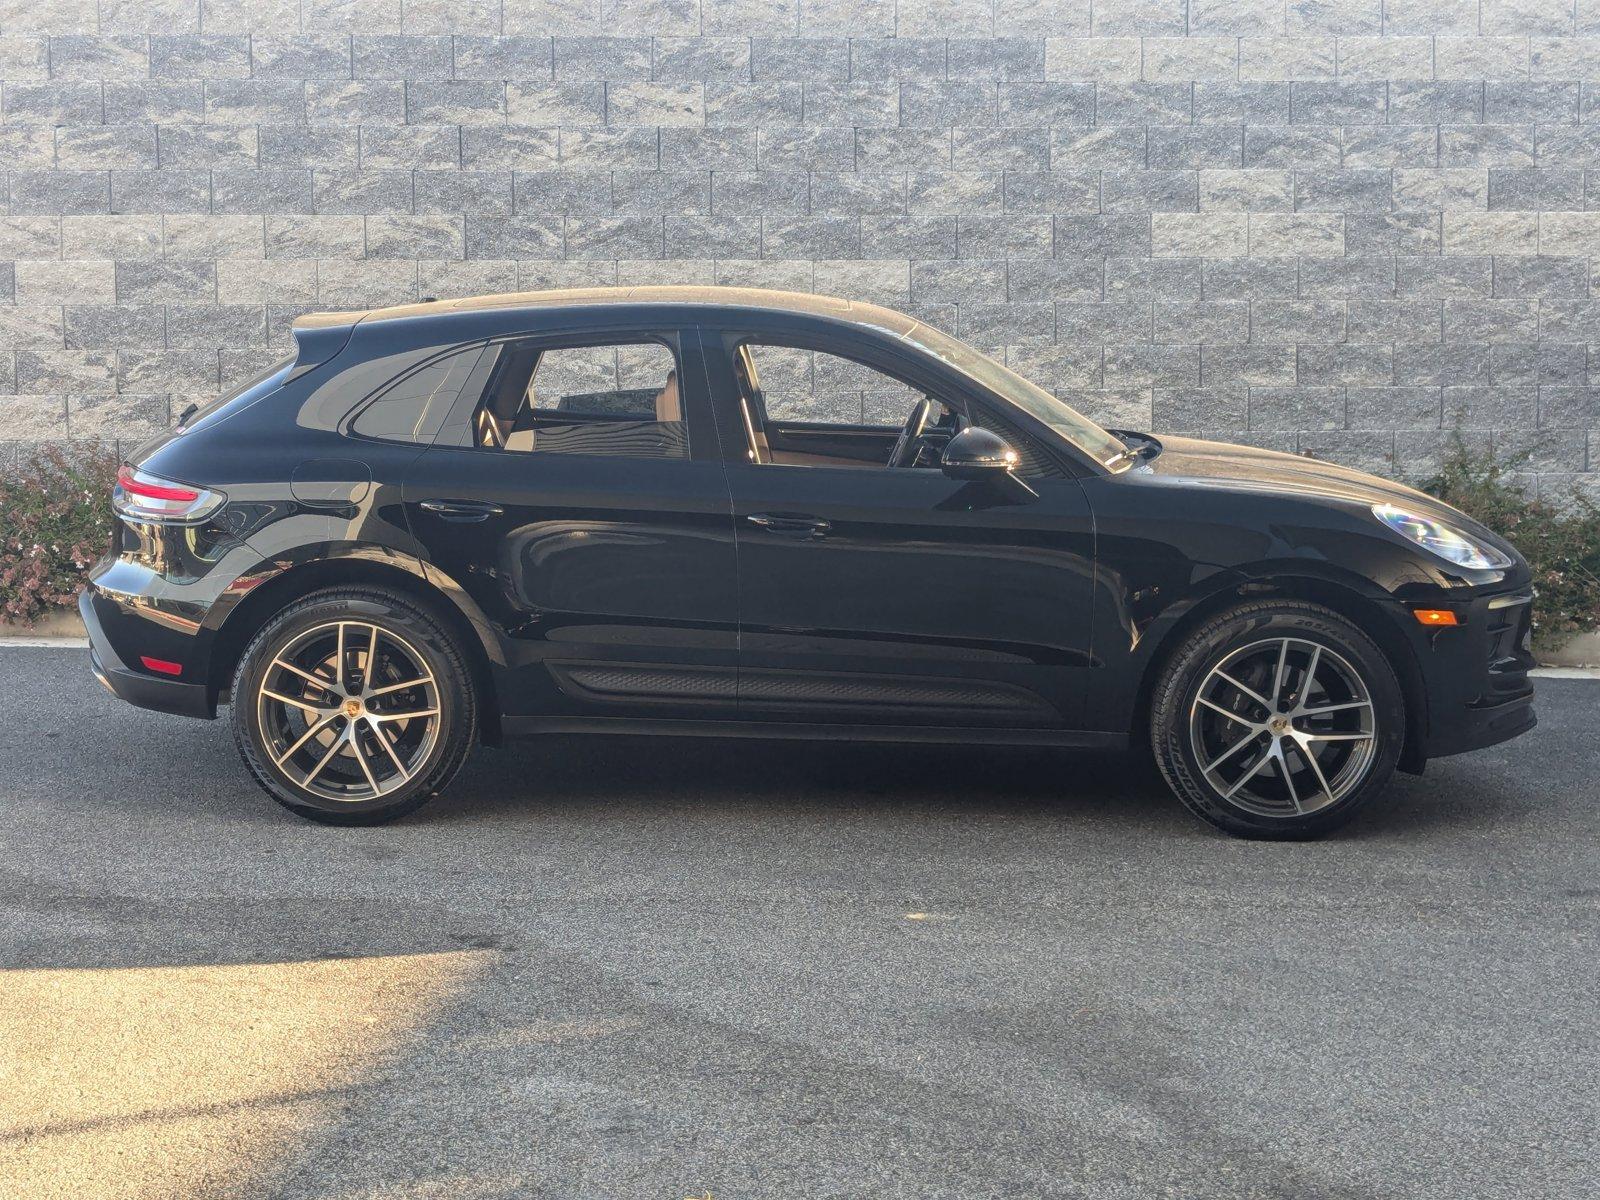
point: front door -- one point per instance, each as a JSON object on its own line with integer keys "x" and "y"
{"x": 881, "y": 595}
{"x": 577, "y": 495}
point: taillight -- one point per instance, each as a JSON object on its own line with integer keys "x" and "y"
{"x": 140, "y": 496}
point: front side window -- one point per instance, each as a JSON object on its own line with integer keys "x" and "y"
{"x": 817, "y": 387}
{"x": 618, "y": 399}
{"x": 808, "y": 408}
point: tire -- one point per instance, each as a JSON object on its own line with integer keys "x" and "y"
{"x": 1315, "y": 758}
{"x": 402, "y": 745}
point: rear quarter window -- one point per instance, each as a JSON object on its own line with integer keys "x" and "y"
{"x": 413, "y": 407}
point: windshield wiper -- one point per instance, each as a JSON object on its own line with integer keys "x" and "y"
{"x": 1138, "y": 445}
{"x": 1126, "y": 454}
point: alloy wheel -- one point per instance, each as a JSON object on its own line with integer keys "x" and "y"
{"x": 1283, "y": 727}
{"x": 349, "y": 711}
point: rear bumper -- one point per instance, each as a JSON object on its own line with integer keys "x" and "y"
{"x": 138, "y": 687}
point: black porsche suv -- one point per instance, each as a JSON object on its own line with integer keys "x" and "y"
{"x": 751, "y": 513}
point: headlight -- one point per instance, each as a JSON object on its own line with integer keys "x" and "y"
{"x": 1438, "y": 538}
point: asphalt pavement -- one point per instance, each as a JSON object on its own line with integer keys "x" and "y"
{"x": 616, "y": 967}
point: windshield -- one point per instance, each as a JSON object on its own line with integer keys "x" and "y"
{"x": 1028, "y": 396}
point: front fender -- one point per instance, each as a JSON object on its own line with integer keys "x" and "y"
{"x": 1128, "y": 661}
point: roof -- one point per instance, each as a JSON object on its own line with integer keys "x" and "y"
{"x": 700, "y": 297}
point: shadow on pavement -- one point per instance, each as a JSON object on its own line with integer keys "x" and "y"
{"x": 580, "y": 771}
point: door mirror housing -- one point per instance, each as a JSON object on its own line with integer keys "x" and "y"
{"x": 982, "y": 456}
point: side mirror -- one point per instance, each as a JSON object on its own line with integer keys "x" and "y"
{"x": 981, "y": 456}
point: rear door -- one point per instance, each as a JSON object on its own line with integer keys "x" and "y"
{"x": 576, "y": 493}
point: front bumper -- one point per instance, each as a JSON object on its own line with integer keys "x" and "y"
{"x": 1479, "y": 693}
{"x": 138, "y": 687}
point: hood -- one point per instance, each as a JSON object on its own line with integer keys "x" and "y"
{"x": 1248, "y": 467}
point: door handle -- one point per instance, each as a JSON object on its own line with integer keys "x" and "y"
{"x": 462, "y": 510}
{"x": 791, "y": 524}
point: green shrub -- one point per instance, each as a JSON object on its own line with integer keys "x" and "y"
{"x": 1560, "y": 538}
{"x": 55, "y": 521}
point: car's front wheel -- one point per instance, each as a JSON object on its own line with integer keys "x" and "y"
{"x": 1277, "y": 719}
{"x": 353, "y": 706}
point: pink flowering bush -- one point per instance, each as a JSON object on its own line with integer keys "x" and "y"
{"x": 55, "y": 521}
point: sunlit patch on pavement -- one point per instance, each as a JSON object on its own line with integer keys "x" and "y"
{"x": 178, "y": 1081}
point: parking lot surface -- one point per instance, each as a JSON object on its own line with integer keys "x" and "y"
{"x": 640, "y": 968}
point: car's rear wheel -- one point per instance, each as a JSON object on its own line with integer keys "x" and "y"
{"x": 1277, "y": 720}
{"x": 353, "y": 706}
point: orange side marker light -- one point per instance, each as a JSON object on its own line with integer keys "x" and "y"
{"x": 1435, "y": 616}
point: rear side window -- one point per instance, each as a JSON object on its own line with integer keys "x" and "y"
{"x": 614, "y": 399}
{"x": 413, "y": 408}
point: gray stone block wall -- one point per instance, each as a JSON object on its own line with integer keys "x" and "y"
{"x": 1332, "y": 226}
